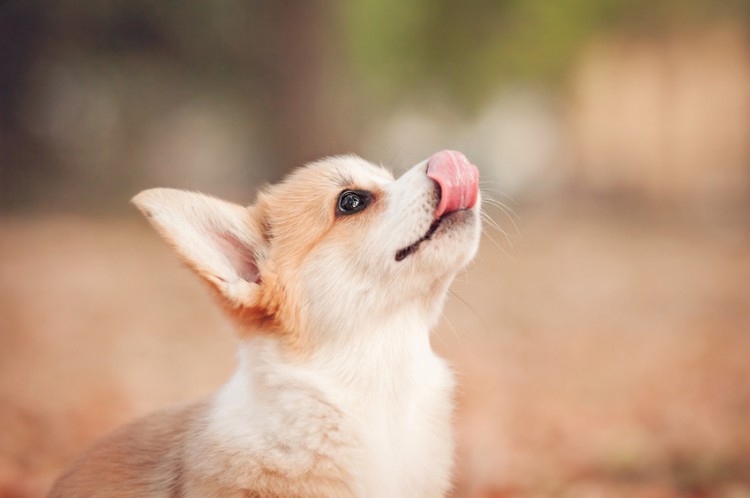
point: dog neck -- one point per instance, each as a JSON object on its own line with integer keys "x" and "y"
{"x": 363, "y": 359}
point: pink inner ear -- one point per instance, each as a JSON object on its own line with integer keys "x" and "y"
{"x": 240, "y": 256}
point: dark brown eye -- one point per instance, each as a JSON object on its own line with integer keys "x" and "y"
{"x": 352, "y": 201}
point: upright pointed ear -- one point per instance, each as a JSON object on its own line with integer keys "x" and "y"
{"x": 219, "y": 240}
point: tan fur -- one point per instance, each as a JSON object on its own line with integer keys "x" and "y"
{"x": 144, "y": 458}
{"x": 256, "y": 273}
{"x": 298, "y": 214}
{"x": 161, "y": 455}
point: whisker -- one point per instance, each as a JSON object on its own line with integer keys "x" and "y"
{"x": 495, "y": 202}
{"x": 491, "y": 198}
{"x": 512, "y": 216}
{"x": 498, "y": 191}
{"x": 473, "y": 310}
{"x": 491, "y": 221}
{"x": 506, "y": 253}
{"x": 497, "y": 227}
{"x": 453, "y": 329}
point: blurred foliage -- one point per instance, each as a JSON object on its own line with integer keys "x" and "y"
{"x": 464, "y": 49}
{"x": 306, "y": 74}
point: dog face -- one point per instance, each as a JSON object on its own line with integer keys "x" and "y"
{"x": 336, "y": 244}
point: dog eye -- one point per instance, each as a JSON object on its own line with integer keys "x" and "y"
{"x": 352, "y": 201}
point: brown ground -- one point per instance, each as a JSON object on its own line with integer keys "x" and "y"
{"x": 603, "y": 357}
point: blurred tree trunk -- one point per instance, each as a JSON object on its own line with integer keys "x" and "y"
{"x": 22, "y": 158}
{"x": 296, "y": 129}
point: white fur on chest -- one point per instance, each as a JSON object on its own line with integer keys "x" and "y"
{"x": 380, "y": 418}
{"x": 408, "y": 437}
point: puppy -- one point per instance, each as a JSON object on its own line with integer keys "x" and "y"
{"x": 334, "y": 278}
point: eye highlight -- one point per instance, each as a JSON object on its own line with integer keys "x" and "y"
{"x": 352, "y": 201}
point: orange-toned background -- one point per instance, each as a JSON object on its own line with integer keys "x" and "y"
{"x": 602, "y": 336}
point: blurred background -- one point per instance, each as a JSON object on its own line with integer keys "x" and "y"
{"x": 602, "y": 336}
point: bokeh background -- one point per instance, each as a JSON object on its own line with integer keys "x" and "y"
{"x": 601, "y": 338}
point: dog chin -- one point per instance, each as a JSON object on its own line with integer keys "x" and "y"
{"x": 455, "y": 221}
{"x": 455, "y": 226}
{"x": 452, "y": 246}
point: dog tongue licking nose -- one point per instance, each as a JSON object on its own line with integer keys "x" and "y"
{"x": 458, "y": 180}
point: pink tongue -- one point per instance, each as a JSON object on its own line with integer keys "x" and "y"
{"x": 458, "y": 180}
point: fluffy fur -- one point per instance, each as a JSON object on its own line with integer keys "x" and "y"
{"x": 337, "y": 391}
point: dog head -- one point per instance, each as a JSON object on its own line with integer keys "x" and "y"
{"x": 337, "y": 244}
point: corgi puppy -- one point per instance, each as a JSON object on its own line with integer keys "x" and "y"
{"x": 334, "y": 278}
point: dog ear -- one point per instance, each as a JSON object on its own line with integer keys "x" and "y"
{"x": 219, "y": 240}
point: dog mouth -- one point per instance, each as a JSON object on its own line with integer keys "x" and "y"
{"x": 401, "y": 254}
{"x": 447, "y": 221}
{"x": 457, "y": 188}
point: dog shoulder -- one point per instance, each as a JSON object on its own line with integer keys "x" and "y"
{"x": 144, "y": 458}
